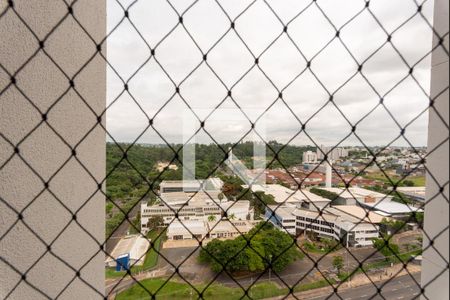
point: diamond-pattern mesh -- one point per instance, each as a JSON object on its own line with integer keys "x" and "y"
{"x": 278, "y": 31}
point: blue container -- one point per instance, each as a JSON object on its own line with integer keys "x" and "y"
{"x": 123, "y": 263}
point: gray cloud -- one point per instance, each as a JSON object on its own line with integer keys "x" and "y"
{"x": 230, "y": 59}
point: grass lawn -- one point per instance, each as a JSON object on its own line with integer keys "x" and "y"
{"x": 312, "y": 247}
{"x": 177, "y": 290}
{"x": 111, "y": 273}
{"x": 313, "y": 285}
{"x": 151, "y": 259}
{"x": 300, "y": 255}
{"x": 418, "y": 180}
{"x": 406, "y": 257}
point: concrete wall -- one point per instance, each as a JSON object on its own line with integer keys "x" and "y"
{"x": 22, "y": 190}
{"x": 437, "y": 210}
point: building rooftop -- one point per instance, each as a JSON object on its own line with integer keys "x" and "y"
{"x": 180, "y": 198}
{"x": 314, "y": 215}
{"x": 345, "y": 213}
{"x": 356, "y": 192}
{"x": 195, "y": 227}
{"x": 304, "y": 195}
{"x": 230, "y": 227}
{"x": 283, "y": 194}
{"x": 365, "y": 192}
{"x": 283, "y": 211}
{"x": 343, "y": 193}
{"x": 135, "y": 245}
{"x": 356, "y": 212}
{"x": 208, "y": 184}
{"x": 388, "y": 208}
{"x": 181, "y": 183}
{"x": 416, "y": 191}
{"x": 241, "y": 204}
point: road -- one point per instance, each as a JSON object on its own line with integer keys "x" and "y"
{"x": 186, "y": 260}
{"x": 400, "y": 288}
{"x": 121, "y": 231}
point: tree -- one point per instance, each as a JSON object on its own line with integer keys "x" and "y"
{"x": 396, "y": 225}
{"x": 245, "y": 194}
{"x": 338, "y": 263}
{"x": 330, "y": 244}
{"x": 237, "y": 255}
{"x": 386, "y": 247}
{"x": 260, "y": 201}
{"x": 155, "y": 222}
{"x": 212, "y": 218}
{"x": 418, "y": 217}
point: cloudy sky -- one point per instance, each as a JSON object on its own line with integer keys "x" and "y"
{"x": 178, "y": 61}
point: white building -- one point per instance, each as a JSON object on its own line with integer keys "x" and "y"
{"x": 134, "y": 245}
{"x": 282, "y": 218}
{"x": 416, "y": 193}
{"x": 309, "y": 157}
{"x": 187, "y": 230}
{"x": 355, "y": 195}
{"x": 222, "y": 229}
{"x": 351, "y": 224}
{"x": 199, "y": 207}
{"x": 225, "y": 229}
{"x": 191, "y": 186}
{"x": 380, "y": 203}
{"x": 333, "y": 154}
{"x": 392, "y": 209}
{"x": 284, "y": 195}
{"x": 337, "y": 226}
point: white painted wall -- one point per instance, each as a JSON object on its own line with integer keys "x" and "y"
{"x": 43, "y": 83}
{"x": 435, "y": 273}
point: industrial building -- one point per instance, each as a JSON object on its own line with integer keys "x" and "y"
{"x": 191, "y": 186}
{"x": 282, "y": 217}
{"x": 229, "y": 229}
{"x": 187, "y": 230}
{"x": 285, "y": 195}
{"x": 392, "y": 209}
{"x": 352, "y": 224}
{"x": 197, "y": 229}
{"x": 309, "y": 157}
{"x": 355, "y": 195}
{"x": 198, "y": 207}
{"x": 416, "y": 193}
{"x": 333, "y": 153}
{"x": 380, "y": 203}
{"x": 133, "y": 246}
{"x": 337, "y": 225}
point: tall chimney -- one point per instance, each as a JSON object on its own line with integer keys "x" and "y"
{"x": 328, "y": 181}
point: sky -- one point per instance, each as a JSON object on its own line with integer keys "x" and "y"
{"x": 230, "y": 65}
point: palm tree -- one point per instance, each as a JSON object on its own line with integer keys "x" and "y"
{"x": 212, "y": 218}
{"x": 232, "y": 217}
